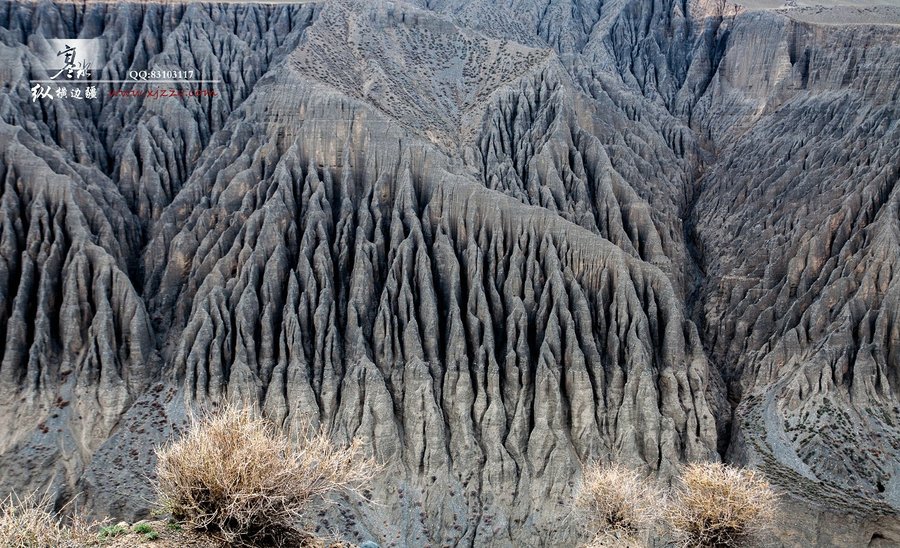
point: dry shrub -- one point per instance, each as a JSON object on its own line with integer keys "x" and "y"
{"x": 720, "y": 506}
{"x": 616, "y": 506}
{"x": 29, "y": 522}
{"x": 235, "y": 476}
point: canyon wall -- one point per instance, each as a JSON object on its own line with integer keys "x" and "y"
{"x": 493, "y": 240}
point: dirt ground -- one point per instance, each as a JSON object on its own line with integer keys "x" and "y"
{"x": 164, "y": 534}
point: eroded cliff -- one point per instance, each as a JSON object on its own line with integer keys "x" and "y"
{"x": 493, "y": 240}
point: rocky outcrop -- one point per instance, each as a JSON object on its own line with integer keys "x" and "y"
{"x": 493, "y": 241}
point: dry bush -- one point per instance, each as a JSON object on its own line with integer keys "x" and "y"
{"x": 616, "y": 506}
{"x": 29, "y": 522}
{"x": 720, "y": 506}
{"x": 235, "y": 476}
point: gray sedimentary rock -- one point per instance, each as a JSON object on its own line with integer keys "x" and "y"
{"x": 494, "y": 240}
{"x": 805, "y": 325}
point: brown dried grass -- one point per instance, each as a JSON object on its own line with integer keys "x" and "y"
{"x": 721, "y": 506}
{"x": 616, "y": 506}
{"x": 30, "y": 522}
{"x": 234, "y": 475}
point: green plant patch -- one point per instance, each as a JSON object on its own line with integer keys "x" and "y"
{"x": 142, "y": 528}
{"x": 110, "y": 531}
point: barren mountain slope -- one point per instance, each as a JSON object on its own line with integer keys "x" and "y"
{"x": 804, "y": 324}
{"x": 495, "y": 240}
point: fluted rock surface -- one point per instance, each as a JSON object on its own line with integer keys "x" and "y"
{"x": 493, "y": 240}
{"x": 805, "y": 323}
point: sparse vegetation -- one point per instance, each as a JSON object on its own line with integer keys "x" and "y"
{"x": 29, "y": 522}
{"x": 616, "y": 506}
{"x": 235, "y": 476}
{"x": 712, "y": 506}
{"x": 110, "y": 531}
{"x": 142, "y": 528}
{"x": 721, "y": 506}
